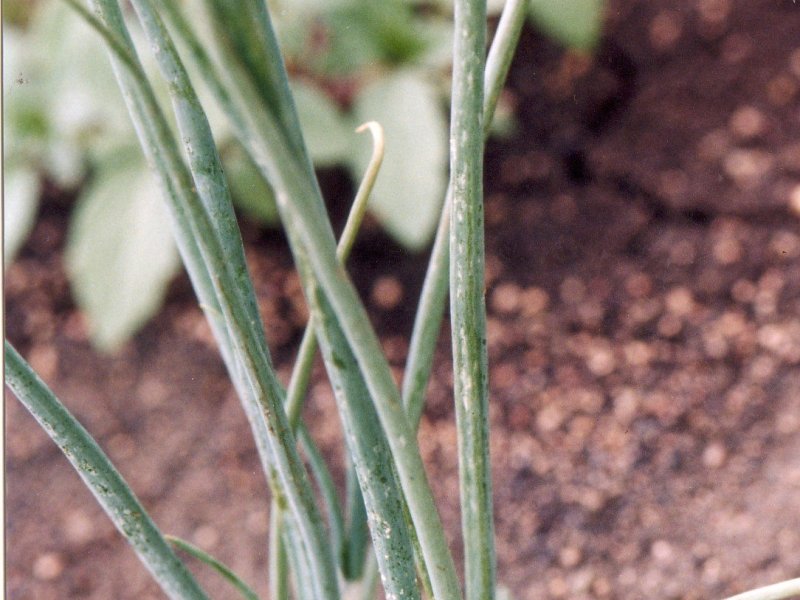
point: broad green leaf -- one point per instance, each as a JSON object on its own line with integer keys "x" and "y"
{"x": 24, "y": 125}
{"x": 327, "y": 133}
{"x": 438, "y": 54}
{"x": 355, "y": 35}
{"x": 249, "y": 190}
{"x": 576, "y": 23}
{"x": 120, "y": 252}
{"x": 24, "y": 111}
{"x": 83, "y": 100}
{"x": 21, "y": 189}
{"x": 408, "y": 193}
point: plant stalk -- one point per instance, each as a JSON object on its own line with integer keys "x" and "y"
{"x": 100, "y": 476}
{"x": 430, "y": 310}
{"x": 467, "y": 305}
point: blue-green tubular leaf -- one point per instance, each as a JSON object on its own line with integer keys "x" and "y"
{"x": 467, "y": 308}
{"x": 100, "y": 476}
{"x": 370, "y": 454}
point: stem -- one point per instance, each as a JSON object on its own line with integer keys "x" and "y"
{"x": 224, "y": 571}
{"x": 278, "y": 562}
{"x": 100, "y": 476}
{"x": 433, "y": 297}
{"x": 299, "y": 201}
{"x": 468, "y": 310}
{"x": 301, "y": 374}
{"x": 220, "y": 251}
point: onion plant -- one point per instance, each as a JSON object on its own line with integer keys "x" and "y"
{"x": 388, "y": 491}
{"x": 318, "y": 544}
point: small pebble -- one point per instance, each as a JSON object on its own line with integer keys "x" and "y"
{"x": 569, "y": 557}
{"x": 662, "y": 552}
{"x": 747, "y": 167}
{"x": 714, "y": 455}
{"x": 727, "y": 251}
{"x": 121, "y": 446}
{"x": 506, "y": 298}
{"x": 78, "y": 528}
{"x": 589, "y": 400}
{"x": 781, "y": 90}
{"x": 558, "y": 587}
{"x": 747, "y": 122}
{"x": 763, "y": 367}
{"x": 626, "y": 405}
{"x": 549, "y": 418}
{"x": 679, "y": 301}
{"x": 257, "y": 522}
{"x": 712, "y": 569}
{"x": 387, "y": 292}
{"x": 600, "y": 359}
{"x": 714, "y": 11}
{"x": 534, "y": 301}
{"x": 48, "y": 566}
{"x": 794, "y": 200}
{"x": 601, "y": 587}
{"x": 665, "y": 29}
{"x": 206, "y": 537}
{"x": 592, "y": 500}
{"x": 44, "y": 360}
{"x": 152, "y": 392}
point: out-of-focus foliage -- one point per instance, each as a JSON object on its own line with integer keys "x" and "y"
{"x": 350, "y": 60}
{"x": 65, "y": 120}
{"x": 108, "y": 265}
{"x": 415, "y": 162}
{"x": 575, "y": 23}
{"x": 383, "y": 62}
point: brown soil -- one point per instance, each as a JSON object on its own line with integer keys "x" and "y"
{"x": 643, "y": 277}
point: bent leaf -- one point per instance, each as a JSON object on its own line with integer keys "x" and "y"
{"x": 120, "y": 251}
{"x": 408, "y": 192}
{"x": 224, "y": 571}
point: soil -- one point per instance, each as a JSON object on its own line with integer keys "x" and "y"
{"x": 643, "y": 289}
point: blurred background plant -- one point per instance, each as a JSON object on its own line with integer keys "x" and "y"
{"x": 349, "y": 61}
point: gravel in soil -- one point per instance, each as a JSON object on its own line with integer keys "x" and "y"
{"x": 643, "y": 289}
